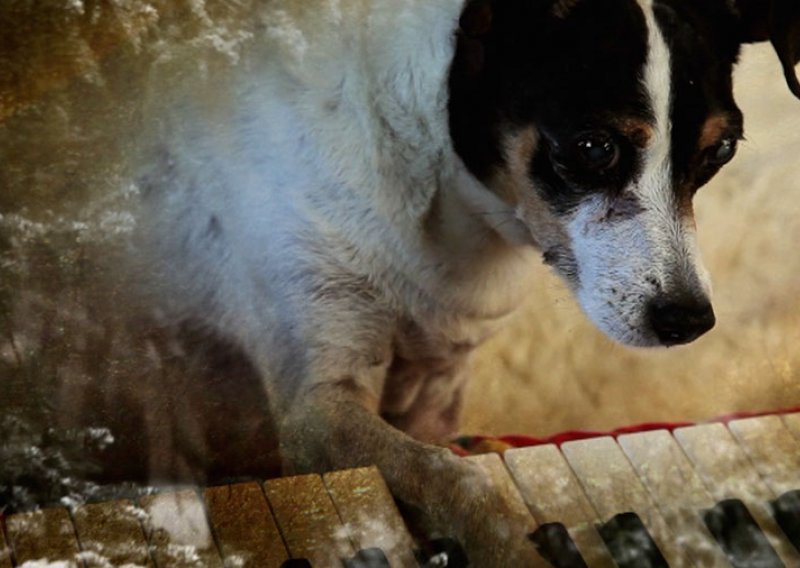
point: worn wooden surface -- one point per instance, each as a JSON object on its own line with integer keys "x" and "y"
{"x": 113, "y": 532}
{"x": 46, "y": 534}
{"x": 178, "y": 530}
{"x": 308, "y": 520}
{"x": 5, "y": 549}
{"x": 243, "y": 524}
{"x": 370, "y": 515}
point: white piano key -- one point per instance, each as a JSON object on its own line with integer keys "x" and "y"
{"x": 792, "y": 422}
{"x": 554, "y": 495}
{"x": 613, "y": 487}
{"x": 677, "y": 491}
{"x": 728, "y": 474}
{"x": 772, "y": 449}
{"x": 501, "y": 480}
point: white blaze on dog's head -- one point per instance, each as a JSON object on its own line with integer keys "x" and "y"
{"x": 629, "y": 265}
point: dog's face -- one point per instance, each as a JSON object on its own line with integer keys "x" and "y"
{"x": 595, "y": 122}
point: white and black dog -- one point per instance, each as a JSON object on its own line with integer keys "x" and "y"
{"x": 369, "y": 206}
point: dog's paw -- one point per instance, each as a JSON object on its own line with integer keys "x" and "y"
{"x": 477, "y": 504}
{"x": 498, "y": 536}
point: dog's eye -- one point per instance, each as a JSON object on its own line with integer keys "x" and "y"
{"x": 723, "y": 152}
{"x": 598, "y": 152}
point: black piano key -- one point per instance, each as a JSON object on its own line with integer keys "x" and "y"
{"x": 554, "y": 544}
{"x": 368, "y": 558}
{"x": 786, "y": 509}
{"x": 739, "y": 535}
{"x": 629, "y": 543}
{"x": 296, "y": 563}
{"x": 443, "y": 552}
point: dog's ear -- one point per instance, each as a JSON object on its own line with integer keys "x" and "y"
{"x": 561, "y": 8}
{"x": 474, "y": 26}
{"x": 779, "y": 22}
{"x": 476, "y": 18}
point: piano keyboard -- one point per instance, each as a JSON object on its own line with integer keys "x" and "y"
{"x": 707, "y": 495}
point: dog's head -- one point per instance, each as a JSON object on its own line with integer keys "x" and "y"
{"x": 593, "y": 123}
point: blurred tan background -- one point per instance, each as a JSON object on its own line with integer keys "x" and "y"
{"x": 77, "y": 379}
{"x": 552, "y": 371}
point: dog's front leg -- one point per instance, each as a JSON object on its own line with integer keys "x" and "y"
{"x": 334, "y": 426}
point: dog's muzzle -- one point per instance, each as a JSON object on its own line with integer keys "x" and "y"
{"x": 676, "y": 322}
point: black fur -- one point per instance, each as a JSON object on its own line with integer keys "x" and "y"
{"x": 519, "y": 63}
{"x": 563, "y": 76}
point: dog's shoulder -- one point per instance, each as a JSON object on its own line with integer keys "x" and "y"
{"x": 334, "y": 132}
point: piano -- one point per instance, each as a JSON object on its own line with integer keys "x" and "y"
{"x": 716, "y": 494}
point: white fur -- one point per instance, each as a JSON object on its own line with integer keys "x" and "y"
{"x": 332, "y": 170}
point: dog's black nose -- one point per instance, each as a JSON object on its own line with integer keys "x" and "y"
{"x": 678, "y": 322}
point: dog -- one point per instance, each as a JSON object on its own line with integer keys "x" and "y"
{"x": 367, "y": 206}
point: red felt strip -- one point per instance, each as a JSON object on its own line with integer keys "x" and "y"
{"x": 463, "y": 445}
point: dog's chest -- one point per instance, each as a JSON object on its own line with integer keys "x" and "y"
{"x": 428, "y": 363}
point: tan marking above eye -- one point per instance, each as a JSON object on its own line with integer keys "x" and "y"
{"x": 714, "y": 129}
{"x": 512, "y": 181}
{"x": 638, "y": 131}
{"x": 513, "y": 185}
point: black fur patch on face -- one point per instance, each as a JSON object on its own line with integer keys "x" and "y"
{"x": 703, "y": 39}
{"x": 570, "y": 77}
